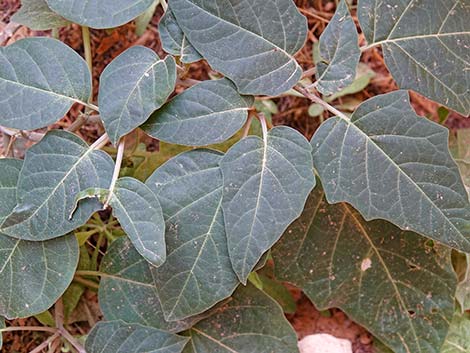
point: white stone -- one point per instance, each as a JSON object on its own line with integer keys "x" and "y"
{"x": 324, "y": 343}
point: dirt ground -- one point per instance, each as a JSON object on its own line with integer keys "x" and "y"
{"x": 106, "y": 45}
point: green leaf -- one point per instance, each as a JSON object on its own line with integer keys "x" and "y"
{"x": 128, "y": 290}
{"x": 54, "y": 171}
{"x": 391, "y": 164}
{"x": 425, "y": 46}
{"x": 46, "y": 318}
{"x": 265, "y": 188}
{"x": 174, "y": 41}
{"x": 198, "y": 273}
{"x": 138, "y": 211}
{"x": 339, "y": 52}
{"x": 390, "y": 281}
{"x": 26, "y": 267}
{"x": 250, "y": 323}
{"x": 132, "y": 87}
{"x": 40, "y": 79}
{"x": 36, "y": 15}
{"x": 100, "y": 13}
{"x": 315, "y": 109}
{"x": 462, "y": 294}
{"x": 457, "y": 340}
{"x": 10, "y": 170}
{"x": 278, "y": 292}
{"x": 207, "y": 113}
{"x": 33, "y": 274}
{"x": 363, "y": 76}
{"x": 120, "y": 337}
{"x": 145, "y": 18}
{"x": 252, "y": 44}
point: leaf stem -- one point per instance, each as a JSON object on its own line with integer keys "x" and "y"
{"x": 29, "y": 328}
{"x": 117, "y": 168}
{"x": 87, "y": 48}
{"x": 44, "y": 344}
{"x": 90, "y": 273}
{"x": 320, "y": 101}
{"x": 103, "y": 140}
{"x": 264, "y": 128}
{"x": 86, "y": 282}
{"x": 370, "y": 46}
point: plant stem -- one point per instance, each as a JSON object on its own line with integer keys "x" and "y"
{"x": 310, "y": 72}
{"x": 59, "y": 319}
{"x": 370, "y": 46}
{"x": 320, "y": 101}
{"x": 117, "y": 168}
{"x": 90, "y": 273}
{"x": 29, "y": 328}
{"x": 96, "y": 251}
{"x": 246, "y": 129}
{"x": 44, "y": 344}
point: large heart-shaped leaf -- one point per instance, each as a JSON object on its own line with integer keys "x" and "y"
{"x": 121, "y": 337}
{"x": 250, "y": 323}
{"x": 54, "y": 171}
{"x": 425, "y": 45}
{"x": 99, "y": 13}
{"x": 266, "y": 184}
{"x": 207, "y": 113}
{"x": 132, "y": 87}
{"x": 40, "y": 79}
{"x": 457, "y": 339}
{"x": 33, "y": 274}
{"x": 36, "y": 15}
{"x": 395, "y": 283}
{"x": 128, "y": 290}
{"x": 252, "y": 43}
{"x": 198, "y": 272}
{"x": 391, "y": 164}
{"x": 339, "y": 52}
{"x": 174, "y": 41}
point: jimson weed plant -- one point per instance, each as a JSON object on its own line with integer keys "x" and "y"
{"x": 371, "y": 216}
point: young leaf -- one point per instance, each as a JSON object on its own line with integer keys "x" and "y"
{"x": 207, "y": 113}
{"x": 36, "y": 15}
{"x": 250, "y": 322}
{"x": 391, "y": 164}
{"x": 198, "y": 273}
{"x": 391, "y": 282}
{"x": 174, "y": 41}
{"x": 252, "y": 44}
{"x": 364, "y": 74}
{"x": 429, "y": 55}
{"x": 339, "y": 52}
{"x": 142, "y": 22}
{"x": 54, "y": 171}
{"x": 128, "y": 290}
{"x": 40, "y": 79}
{"x": 26, "y": 266}
{"x": 457, "y": 339}
{"x": 121, "y": 337}
{"x": 133, "y": 86}
{"x": 99, "y": 13}
{"x": 138, "y": 211}
{"x": 265, "y": 188}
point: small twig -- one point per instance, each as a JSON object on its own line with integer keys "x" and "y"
{"x": 310, "y": 72}
{"x": 320, "y": 101}
{"x": 264, "y": 128}
{"x": 59, "y": 319}
{"x": 46, "y": 343}
{"x": 117, "y": 168}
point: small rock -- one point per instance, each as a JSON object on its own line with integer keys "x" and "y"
{"x": 324, "y": 343}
